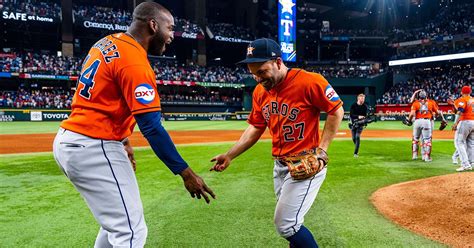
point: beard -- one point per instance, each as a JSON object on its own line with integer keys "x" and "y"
{"x": 268, "y": 83}
{"x": 157, "y": 45}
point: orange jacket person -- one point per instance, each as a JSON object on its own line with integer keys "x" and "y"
{"x": 288, "y": 102}
{"x": 117, "y": 87}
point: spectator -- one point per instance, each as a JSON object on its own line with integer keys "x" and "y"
{"x": 439, "y": 82}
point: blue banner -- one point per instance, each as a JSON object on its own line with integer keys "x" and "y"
{"x": 287, "y": 29}
{"x": 5, "y": 75}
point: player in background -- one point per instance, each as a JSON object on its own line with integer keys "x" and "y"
{"x": 287, "y": 102}
{"x": 423, "y": 110}
{"x": 117, "y": 89}
{"x": 464, "y": 127}
{"x": 359, "y": 110}
{"x": 455, "y": 156}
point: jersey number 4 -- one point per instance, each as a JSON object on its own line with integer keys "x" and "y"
{"x": 87, "y": 78}
{"x": 289, "y": 130}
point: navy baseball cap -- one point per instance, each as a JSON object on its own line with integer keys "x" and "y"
{"x": 261, "y": 50}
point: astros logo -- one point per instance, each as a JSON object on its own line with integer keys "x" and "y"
{"x": 250, "y": 50}
{"x": 144, "y": 93}
{"x": 331, "y": 94}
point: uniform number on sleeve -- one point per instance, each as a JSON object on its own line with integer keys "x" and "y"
{"x": 87, "y": 78}
{"x": 290, "y": 130}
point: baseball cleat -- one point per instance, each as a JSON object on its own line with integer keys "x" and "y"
{"x": 455, "y": 161}
{"x": 428, "y": 159}
{"x": 414, "y": 157}
{"x": 356, "y": 155}
{"x": 461, "y": 169}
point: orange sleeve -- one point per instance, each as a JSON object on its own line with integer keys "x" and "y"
{"x": 256, "y": 118}
{"x": 322, "y": 94}
{"x": 435, "y": 106}
{"x": 415, "y": 106}
{"x": 459, "y": 103}
{"x": 139, "y": 89}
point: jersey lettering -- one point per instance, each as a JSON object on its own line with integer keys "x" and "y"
{"x": 273, "y": 109}
{"x": 289, "y": 130}
{"x": 87, "y": 79}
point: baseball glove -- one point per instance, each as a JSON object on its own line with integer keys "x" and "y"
{"x": 443, "y": 125}
{"x": 305, "y": 166}
{"x": 407, "y": 122}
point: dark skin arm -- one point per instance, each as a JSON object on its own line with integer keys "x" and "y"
{"x": 129, "y": 149}
{"x": 196, "y": 186}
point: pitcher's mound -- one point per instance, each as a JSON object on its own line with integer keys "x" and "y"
{"x": 440, "y": 208}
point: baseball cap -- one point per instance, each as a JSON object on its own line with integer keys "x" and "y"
{"x": 466, "y": 90}
{"x": 422, "y": 94}
{"x": 261, "y": 50}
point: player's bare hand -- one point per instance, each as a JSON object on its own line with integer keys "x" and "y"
{"x": 129, "y": 149}
{"x": 454, "y": 127}
{"x": 222, "y": 161}
{"x": 196, "y": 186}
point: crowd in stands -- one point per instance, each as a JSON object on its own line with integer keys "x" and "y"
{"x": 124, "y": 18}
{"x": 183, "y": 25}
{"x": 440, "y": 83}
{"x": 213, "y": 74}
{"x": 28, "y": 62}
{"x": 230, "y": 31}
{"x": 40, "y": 8}
{"x": 42, "y": 99}
{"x": 344, "y": 71}
{"x": 187, "y": 97}
{"x": 432, "y": 50}
{"x": 102, "y": 15}
{"x": 62, "y": 99}
{"x": 455, "y": 19}
{"x": 354, "y": 32}
{"x": 48, "y": 64}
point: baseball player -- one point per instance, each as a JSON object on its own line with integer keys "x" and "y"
{"x": 455, "y": 156}
{"x": 423, "y": 110}
{"x": 115, "y": 90}
{"x": 288, "y": 102}
{"x": 464, "y": 127}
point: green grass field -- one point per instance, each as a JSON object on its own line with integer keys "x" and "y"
{"x": 52, "y": 127}
{"x": 40, "y": 208}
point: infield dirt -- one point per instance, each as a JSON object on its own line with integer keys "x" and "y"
{"x": 25, "y": 143}
{"x": 441, "y": 208}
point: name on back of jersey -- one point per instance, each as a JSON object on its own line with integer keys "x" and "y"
{"x": 108, "y": 49}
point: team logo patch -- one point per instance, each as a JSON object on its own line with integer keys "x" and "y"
{"x": 331, "y": 94}
{"x": 144, "y": 93}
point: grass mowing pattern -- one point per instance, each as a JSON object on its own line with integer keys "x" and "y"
{"x": 52, "y": 127}
{"x": 40, "y": 208}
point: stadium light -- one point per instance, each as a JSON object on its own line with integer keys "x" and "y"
{"x": 431, "y": 59}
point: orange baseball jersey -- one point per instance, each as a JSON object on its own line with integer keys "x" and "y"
{"x": 466, "y": 103}
{"x": 291, "y": 111}
{"x": 116, "y": 82}
{"x": 424, "y": 109}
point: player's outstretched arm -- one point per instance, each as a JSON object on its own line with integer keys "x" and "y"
{"x": 164, "y": 148}
{"x": 331, "y": 126}
{"x": 247, "y": 140}
{"x": 412, "y": 98}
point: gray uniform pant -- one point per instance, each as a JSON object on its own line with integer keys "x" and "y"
{"x": 102, "y": 173}
{"x": 294, "y": 198}
{"x": 422, "y": 130}
{"x": 464, "y": 138}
